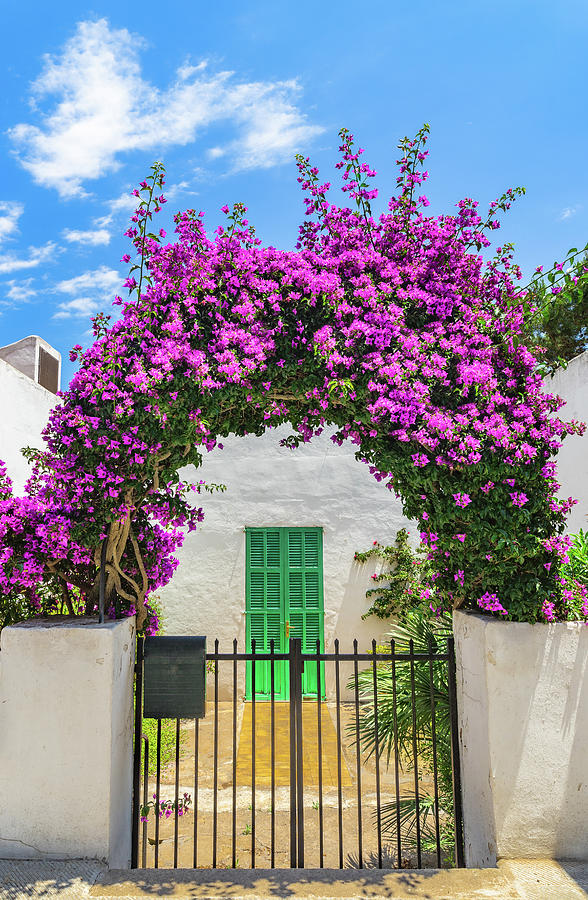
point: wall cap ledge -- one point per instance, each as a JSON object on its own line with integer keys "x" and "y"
{"x": 70, "y": 622}
{"x": 469, "y": 615}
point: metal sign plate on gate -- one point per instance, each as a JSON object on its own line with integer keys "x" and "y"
{"x": 174, "y": 677}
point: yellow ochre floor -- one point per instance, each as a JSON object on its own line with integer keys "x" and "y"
{"x": 310, "y": 734}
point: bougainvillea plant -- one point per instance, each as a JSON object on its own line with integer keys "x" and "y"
{"x": 392, "y": 329}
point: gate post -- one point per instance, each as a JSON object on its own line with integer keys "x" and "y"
{"x": 66, "y": 746}
{"x": 137, "y": 752}
{"x": 296, "y": 667}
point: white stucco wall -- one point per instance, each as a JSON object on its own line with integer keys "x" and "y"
{"x": 522, "y": 694}
{"x": 316, "y": 484}
{"x": 25, "y": 410}
{"x": 66, "y": 740}
{"x": 572, "y": 461}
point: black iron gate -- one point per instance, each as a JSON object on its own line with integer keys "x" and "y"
{"x": 304, "y": 773}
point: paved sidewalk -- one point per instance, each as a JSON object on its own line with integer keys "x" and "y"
{"x": 71, "y": 878}
{"x": 84, "y": 880}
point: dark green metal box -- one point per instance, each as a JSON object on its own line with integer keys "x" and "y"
{"x": 174, "y": 677}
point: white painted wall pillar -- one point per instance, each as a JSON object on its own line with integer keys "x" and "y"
{"x": 522, "y": 696}
{"x": 66, "y": 725}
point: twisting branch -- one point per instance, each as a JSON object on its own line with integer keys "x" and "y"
{"x": 140, "y": 563}
{"x": 66, "y": 598}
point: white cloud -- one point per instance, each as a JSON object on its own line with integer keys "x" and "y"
{"x": 183, "y": 187}
{"x": 81, "y": 306}
{"x": 104, "y": 108}
{"x": 272, "y": 127}
{"x": 125, "y": 203}
{"x": 94, "y": 237}
{"x": 13, "y": 293}
{"x": 20, "y": 291}
{"x": 101, "y": 278}
{"x": 11, "y": 262}
{"x": 90, "y": 292}
{"x": 10, "y": 213}
{"x": 568, "y": 212}
{"x": 102, "y": 221}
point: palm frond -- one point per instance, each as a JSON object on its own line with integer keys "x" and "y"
{"x": 409, "y": 695}
{"x": 404, "y": 814}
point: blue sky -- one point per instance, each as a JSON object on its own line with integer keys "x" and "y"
{"x": 226, "y": 93}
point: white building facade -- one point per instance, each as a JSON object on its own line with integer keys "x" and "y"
{"x": 275, "y": 552}
{"x": 30, "y": 370}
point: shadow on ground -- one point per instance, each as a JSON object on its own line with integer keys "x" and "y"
{"x": 323, "y": 884}
{"x": 21, "y": 878}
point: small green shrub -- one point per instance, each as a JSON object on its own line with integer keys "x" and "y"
{"x": 577, "y": 567}
{"x": 399, "y": 585}
{"x": 168, "y": 742}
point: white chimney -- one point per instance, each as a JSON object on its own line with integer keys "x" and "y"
{"x": 35, "y": 358}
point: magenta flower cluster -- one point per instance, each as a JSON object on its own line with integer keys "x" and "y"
{"x": 166, "y": 808}
{"x": 490, "y": 603}
{"x": 391, "y": 329}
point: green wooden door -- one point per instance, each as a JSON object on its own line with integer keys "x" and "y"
{"x": 265, "y": 606}
{"x": 284, "y": 599}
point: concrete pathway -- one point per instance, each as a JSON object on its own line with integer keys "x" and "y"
{"x": 83, "y": 880}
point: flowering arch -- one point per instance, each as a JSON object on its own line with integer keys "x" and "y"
{"x": 393, "y": 330}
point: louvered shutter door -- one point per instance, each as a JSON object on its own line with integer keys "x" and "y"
{"x": 264, "y": 601}
{"x": 305, "y": 595}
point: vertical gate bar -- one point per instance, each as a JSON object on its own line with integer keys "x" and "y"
{"x": 455, "y": 762}
{"x": 415, "y": 760}
{"x": 319, "y": 750}
{"x": 253, "y": 664}
{"x": 234, "y": 816}
{"x": 377, "y": 749}
{"x": 215, "y": 761}
{"x": 158, "y": 793}
{"x": 273, "y": 756}
{"x": 358, "y": 759}
{"x": 292, "y": 711}
{"x": 396, "y": 760}
{"x": 299, "y": 756}
{"x": 196, "y": 748}
{"x": 145, "y": 800}
{"x": 339, "y": 789}
{"x": 434, "y": 748}
{"x": 177, "y": 794}
{"x": 137, "y": 751}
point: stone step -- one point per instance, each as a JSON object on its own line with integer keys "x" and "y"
{"x": 512, "y": 880}
{"x": 528, "y": 879}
